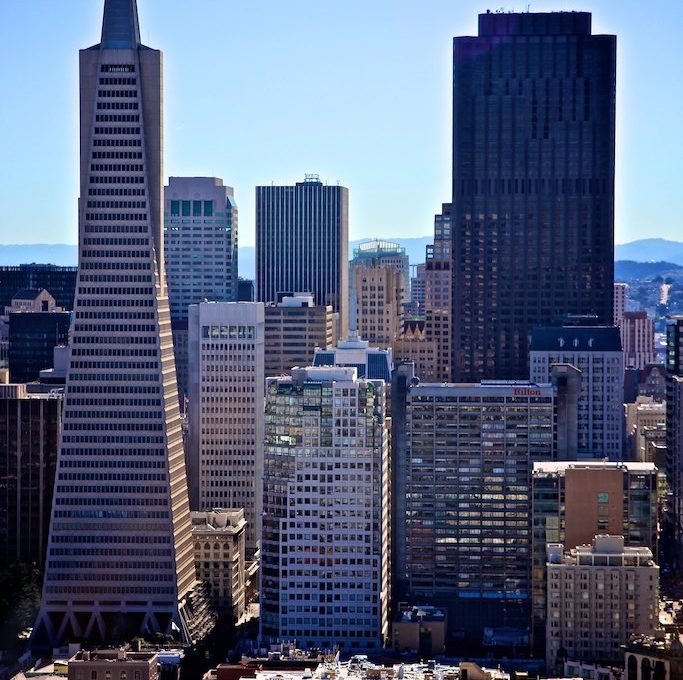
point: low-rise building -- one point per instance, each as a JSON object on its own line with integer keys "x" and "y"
{"x": 422, "y": 629}
{"x": 598, "y": 597}
{"x": 219, "y": 537}
{"x": 113, "y": 664}
{"x": 654, "y": 657}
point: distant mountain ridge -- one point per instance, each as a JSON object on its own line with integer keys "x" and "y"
{"x": 650, "y": 250}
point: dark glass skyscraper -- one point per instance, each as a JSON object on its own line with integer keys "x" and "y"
{"x": 533, "y": 184}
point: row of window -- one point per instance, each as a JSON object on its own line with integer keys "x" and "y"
{"x": 98, "y": 155}
{"x": 117, "y": 142}
{"x": 116, "y": 167}
{"x": 117, "y": 130}
{"x": 117, "y": 118}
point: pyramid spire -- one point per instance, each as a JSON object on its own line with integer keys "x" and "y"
{"x": 120, "y": 28}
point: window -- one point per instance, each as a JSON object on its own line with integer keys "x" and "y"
{"x": 208, "y": 208}
{"x": 175, "y": 208}
{"x": 186, "y": 208}
{"x": 197, "y": 208}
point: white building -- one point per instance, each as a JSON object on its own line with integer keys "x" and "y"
{"x": 325, "y": 542}
{"x": 598, "y": 597}
{"x": 200, "y": 246}
{"x": 638, "y": 339}
{"x": 596, "y": 352}
{"x": 225, "y": 410}
{"x": 371, "y": 362}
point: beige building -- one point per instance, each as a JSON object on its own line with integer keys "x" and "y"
{"x": 219, "y": 542}
{"x": 414, "y": 346}
{"x": 620, "y": 301}
{"x": 379, "y": 293}
{"x": 294, "y": 328}
{"x": 638, "y": 339}
{"x": 422, "y": 629}
{"x": 113, "y": 664}
{"x": 645, "y": 421}
{"x": 598, "y": 597}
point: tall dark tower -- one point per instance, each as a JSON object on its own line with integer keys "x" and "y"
{"x": 120, "y": 555}
{"x": 533, "y": 184}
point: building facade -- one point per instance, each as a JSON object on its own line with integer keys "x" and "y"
{"x": 60, "y": 281}
{"x": 200, "y": 249}
{"x": 372, "y": 255}
{"x": 219, "y": 557}
{"x": 29, "y": 436}
{"x": 674, "y": 423}
{"x": 574, "y": 501}
{"x": 120, "y": 557}
{"x": 225, "y": 410}
{"x": 620, "y": 302}
{"x": 533, "y": 184}
{"x": 373, "y": 363}
{"x": 325, "y": 548}
{"x": 596, "y": 352}
{"x": 302, "y": 242}
{"x": 470, "y": 452}
{"x": 598, "y": 597}
{"x": 638, "y": 339}
{"x": 295, "y": 327}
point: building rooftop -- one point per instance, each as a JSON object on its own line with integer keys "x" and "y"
{"x": 27, "y": 294}
{"x": 419, "y": 613}
{"x": 557, "y": 467}
{"x": 378, "y": 248}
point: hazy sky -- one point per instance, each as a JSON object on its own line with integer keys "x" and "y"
{"x": 359, "y": 91}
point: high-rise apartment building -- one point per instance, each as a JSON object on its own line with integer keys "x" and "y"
{"x": 417, "y": 291}
{"x": 620, "y": 302}
{"x": 638, "y": 339}
{"x": 674, "y": 422}
{"x": 302, "y": 242}
{"x": 596, "y": 352}
{"x": 372, "y": 255}
{"x": 470, "y": 452}
{"x": 29, "y": 436}
{"x": 574, "y": 501}
{"x": 325, "y": 547}
{"x": 295, "y": 327}
{"x": 533, "y": 184}
{"x": 598, "y": 597}
{"x": 200, "y": 249}
{"x": 120, "y": 557}
{"x": 225, "y": 409}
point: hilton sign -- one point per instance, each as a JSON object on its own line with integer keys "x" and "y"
{"x": 526, "y": 392}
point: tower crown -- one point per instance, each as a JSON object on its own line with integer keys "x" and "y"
{"x": 120, "y": 27}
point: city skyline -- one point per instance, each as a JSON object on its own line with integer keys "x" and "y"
{"x": 363, "y": 104}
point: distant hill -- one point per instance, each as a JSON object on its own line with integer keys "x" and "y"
{"x": 658, "y": 252}
{"x": 628, "y": 270}
{"x": 650, "y": 250}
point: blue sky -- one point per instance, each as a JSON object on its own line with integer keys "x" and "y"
{"x": 358, "y": 91}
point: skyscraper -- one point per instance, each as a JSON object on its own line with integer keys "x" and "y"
{"x": 120, "y": 555}
{"x": 674, "y": 424}
{"x": 325, "y": 546}
{"x": 225, "y": 411}
{"x": 533, "y": 184}
{"x": 302, "y": 242}
{"x": 200, "y": 248}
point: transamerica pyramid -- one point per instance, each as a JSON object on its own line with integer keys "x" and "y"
{"x": 120, "y": 557}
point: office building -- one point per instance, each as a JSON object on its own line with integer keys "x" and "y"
{"x": 419, "y": 628}
{"x": 533, "y": 184}
{"x": 437, "y": 287}
{"x": 643, "y": 418}
{"x": 674, "y": 423}
{"x": 295, "y": 327}
{"x": 325, "y": 547}
{"x": 225, "y": 410}
{"x": 29, "y": 436}
{"x": 413, "y": 346}
{"x": 219, "y": 557}
{"x": 373, "y": 363}
{"x": 245, "y": 290}
{"x": 120, "y": 557}
{"x": 596, "y": 352}
{"x": 35, "y": 327}
{"x": 200, "y": 249}
{"x": 598, "y": 597}
{"x": 417, "y": 291}
{"x": 638, "y": 339}
{"x": 574, "y": 501}
{"x": 60, "y": 281}
{"x": 371, "y": 306}
{"x": 302, "y": 244}
{"x": 470, "y": 452}
{"x": 114, "y": 664}
{"x": 620, "y": 302}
